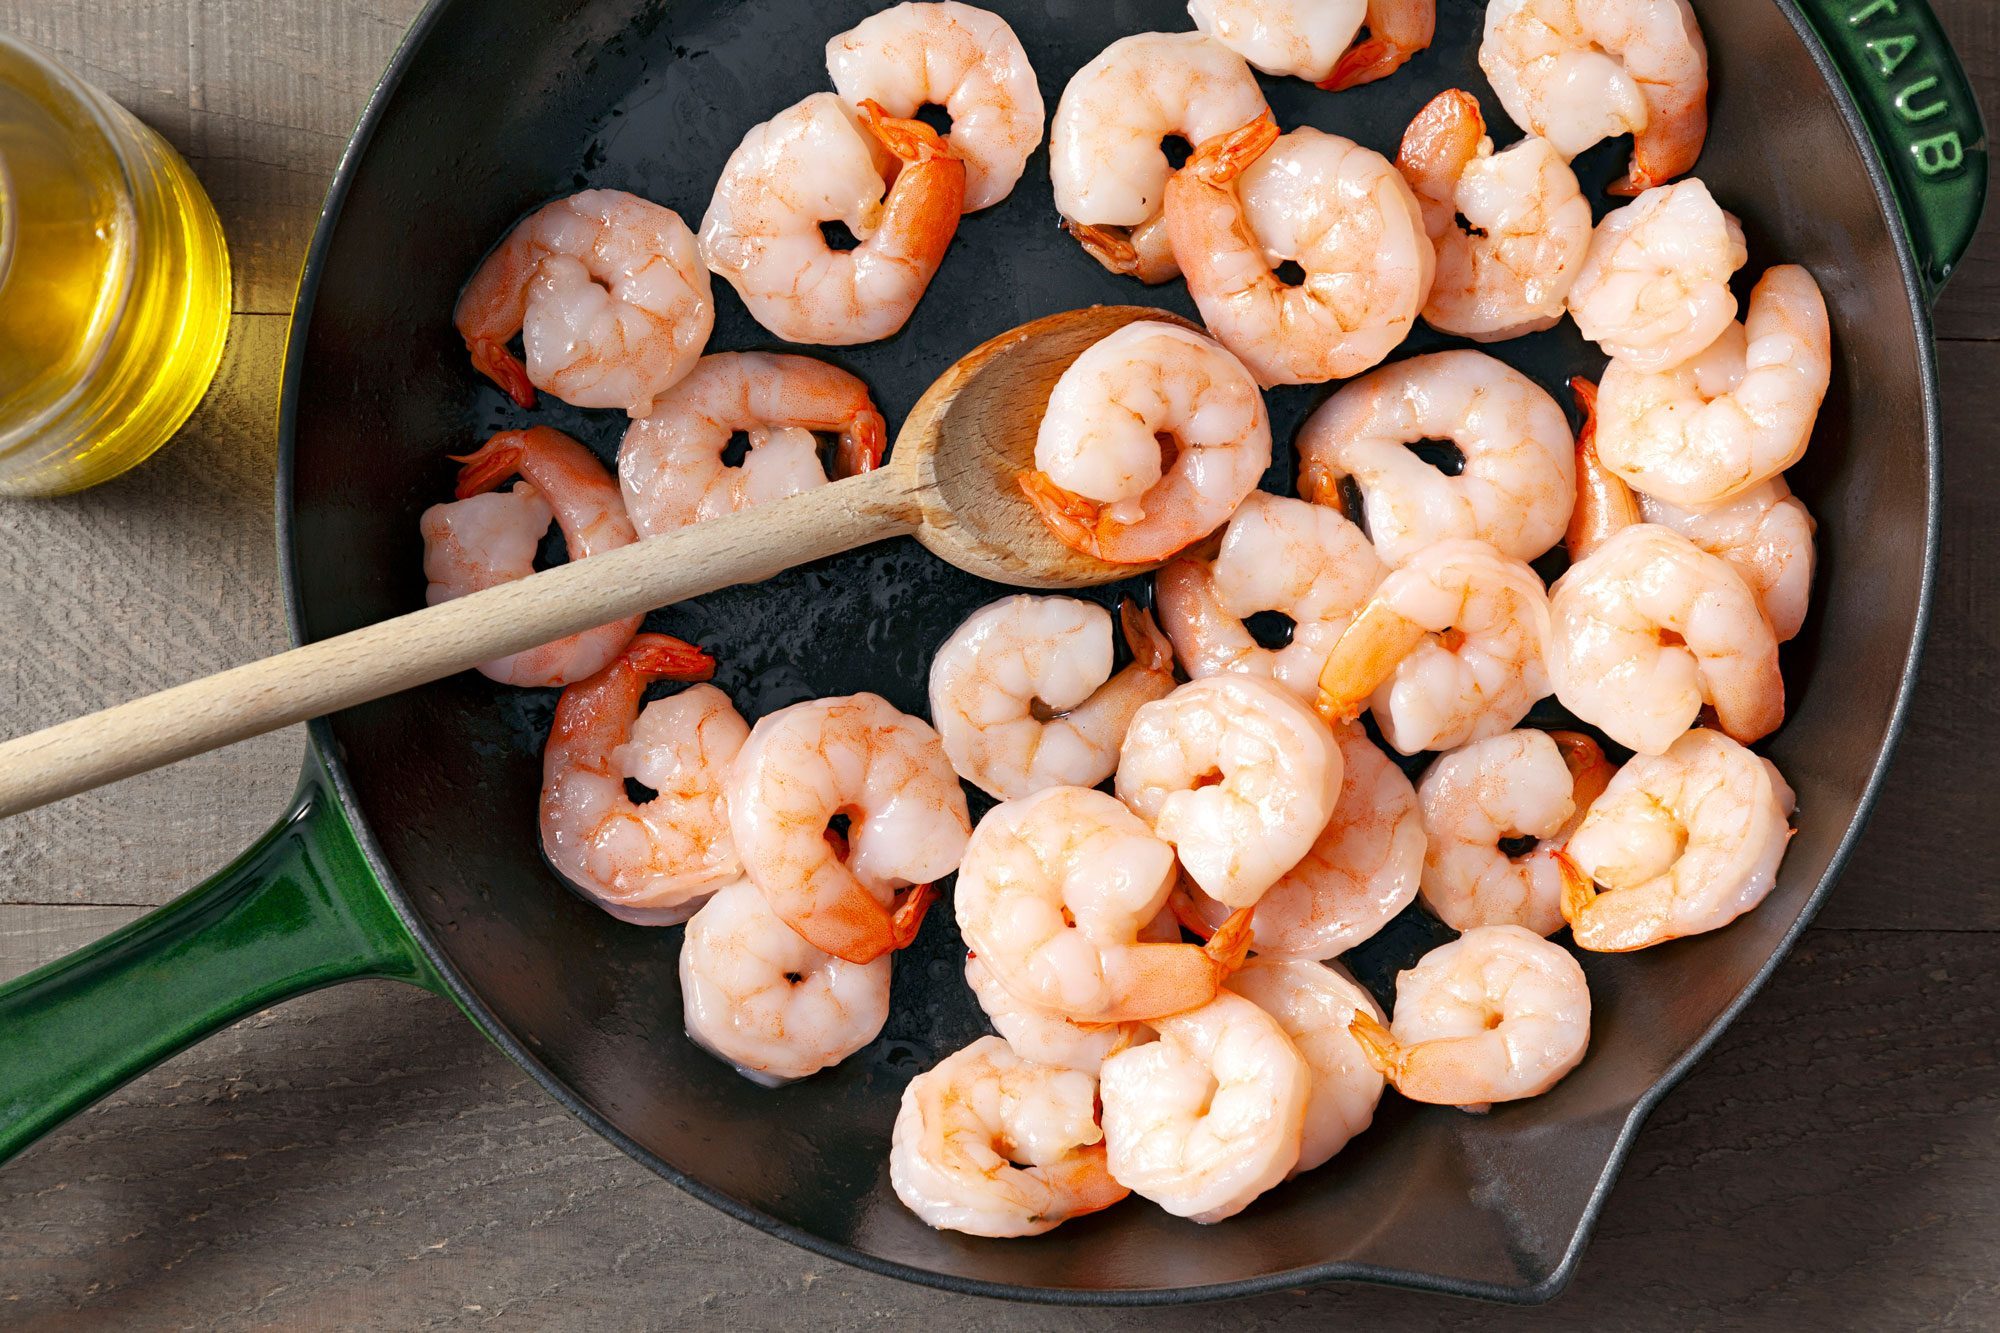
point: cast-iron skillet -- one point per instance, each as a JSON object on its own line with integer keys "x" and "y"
{"x": 412, "y": 851}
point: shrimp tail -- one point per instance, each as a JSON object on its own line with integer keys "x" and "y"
{"x": 1397, "y": 30}
{"x": 862, "y": 444}
{"x": 1219, "y": 161}
{"x": 1151, "y": 649}
{"x": 1578, "y": 889}
{"x": 663, "y": 657}
{"x": 1365, "y": 655}
{"x": 493, "y": 360}
{"x": 909, "y": 140}
{"x": 908, "y": 917}
{"x": 1604, "y": 503}
{"x": 1441, "y": 141}
{"x": 1143, "y": 252}
{"x": 1589, "y": 771}
{"x": 490, "y": 464}
{"x": 1072, "y": 518}
{"x": 1384, "y": 1052}
{"x": 1229, "y": 946}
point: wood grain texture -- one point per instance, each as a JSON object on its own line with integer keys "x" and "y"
{"x": 361, "y": 1159}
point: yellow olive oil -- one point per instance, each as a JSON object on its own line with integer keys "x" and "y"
{"x": 114, "y": 283}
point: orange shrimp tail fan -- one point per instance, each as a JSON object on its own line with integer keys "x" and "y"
{"x": 1073, "y": 519}
{"x": 664, "y": 657}
{"x": 488, "y": 465}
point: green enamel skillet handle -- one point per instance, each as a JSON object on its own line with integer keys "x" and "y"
{"x": 1903, "y": 75}
{"x": 298, "y": 911}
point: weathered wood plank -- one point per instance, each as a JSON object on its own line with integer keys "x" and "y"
{"x": 165, "y": 573}
{"x": 361, "y": 1159}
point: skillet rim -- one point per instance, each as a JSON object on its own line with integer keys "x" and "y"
{"x": 323, "y": 743}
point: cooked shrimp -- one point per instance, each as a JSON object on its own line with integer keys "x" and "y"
{"x": 1397, "y": 30}
{"x": 756, "y": 995}
{"x": 648, "y": 862}
{"x": 994, "y": 1145}
{"x": 1211, "y": 1115}
{"x": 1302, "y": 560}
{"x": 1251, "y": 199}
{"x": 670, "y": 466}
{"x": 1654, "y": 288}
{"x": 1237, "y": 775}
{"x": 1648, "y": 628}
{"x": 1103, "y": 478}
{"x": 1362, "y": 870}
{"x": 1053, "y": 894}
{"x": 964, "y": 59}
{"x": 1518, "y": 482}
{"x": 1496, "y": 1015}
{"x": 885, "y": 771}
{"x": 1450, "y": 648}
{"x": 1506, "y": 269}
{"x": 1314, "y": 1003}
{"x": 1302, "y": 38}
{"x": 1678, "y": 844}
{"x": 1580, "y": 71}
{"x": 1735, "y": 416}
{"x": 1105, "y": 159}
{"x": 484, "y": 540}
{"x": 814, "y": 162}
{"x": 608, "y": 293}
{"x": 1524, "y": 784}
{"x": 1765, "y": 532}
{"x": 1024, "y": 697}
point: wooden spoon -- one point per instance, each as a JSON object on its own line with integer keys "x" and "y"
{"x": 950, "y": 481}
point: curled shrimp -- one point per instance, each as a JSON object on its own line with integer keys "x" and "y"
{"x": 1314, "y": 1003}
{"x": 608, "y": 293}
{"x": 1302, "y": 38}
{"x": 648, "y": 862}
{"x": 1678, "y": 844}
{"x": 964, "y": 59}
{"x": 1024, "y": 697}
{"x": 1654, "y": 288}
{"x": 1648, "y": 628}
{"x": 1211, "y": 1115}
{"x": 1736, "y": 415}
{"x": 1362, "y": 870}
{"x": 1302, "y": 560}
{"x": 755, "y": 994}
{"x": 1523, "y": 784}
{"x": 1496, "y": 1015}
{"x": 670, "y": 465}
{"x": 485, "y": 539}
{"x": 1766, "y": 532}
{"x": 1508, "y": 267}
{"x": 1151, "y": 439}
{"x": 1105, "y": 159}
{"x": 1518, "y": 483}
{"x": 1053, "y": 894}
{"x": 814, "y": 162}
{"x": 1251, "y": 199}
{"x": 1237, "y": 775}
{"x": 885, "y": 771}
{"x": 1580, "y": 71}
{"x": 1450, "y": 648}
{"x": 994, "y": 1145}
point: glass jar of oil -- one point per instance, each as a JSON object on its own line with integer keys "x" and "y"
{"x": 114, "y": 282}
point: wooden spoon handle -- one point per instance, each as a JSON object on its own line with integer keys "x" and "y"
{"x": 410, "y": 650}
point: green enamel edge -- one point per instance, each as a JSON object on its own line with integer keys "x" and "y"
{"x": 1900, "y": 69}
{"x": 298, "y": 911}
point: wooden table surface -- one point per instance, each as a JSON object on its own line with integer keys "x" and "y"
{"x": 361, "y": 1158}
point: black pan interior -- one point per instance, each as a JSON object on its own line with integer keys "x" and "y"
{"x": 506, "y": 103}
